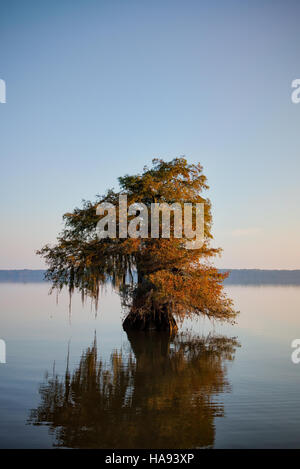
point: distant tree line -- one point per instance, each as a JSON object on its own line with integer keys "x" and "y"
{"x": 236, "y": 276}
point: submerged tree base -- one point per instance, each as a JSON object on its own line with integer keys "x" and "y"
{"x": 156, "y": 321}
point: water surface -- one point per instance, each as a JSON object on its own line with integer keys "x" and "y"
{"x": 80, "y": 381}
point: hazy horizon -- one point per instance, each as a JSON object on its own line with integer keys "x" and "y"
{"x": 246, "y": 277}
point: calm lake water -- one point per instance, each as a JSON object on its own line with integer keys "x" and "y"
{"x": 80, "y": 381}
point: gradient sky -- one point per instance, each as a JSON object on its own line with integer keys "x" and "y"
{"x": 96, "y": 89}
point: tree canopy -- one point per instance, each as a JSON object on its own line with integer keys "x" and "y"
{"x": 158, "y": 278}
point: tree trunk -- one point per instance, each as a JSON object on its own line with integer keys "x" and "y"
{"x": 157, "y": 319}
{"x": 160, "y": 320}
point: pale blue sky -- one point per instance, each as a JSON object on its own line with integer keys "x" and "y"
{"x": 96, "y": 89}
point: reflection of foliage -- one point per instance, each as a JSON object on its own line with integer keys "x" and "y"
{"x": 162, "y": 399}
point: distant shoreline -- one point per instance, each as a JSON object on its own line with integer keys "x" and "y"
{"x": 236, "y": 276}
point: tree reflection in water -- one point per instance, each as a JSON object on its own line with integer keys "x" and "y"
{"x": 162, "y": 394}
